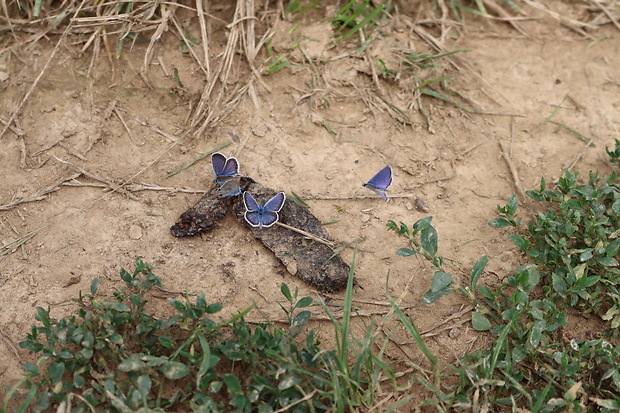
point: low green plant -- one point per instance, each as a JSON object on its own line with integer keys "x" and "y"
{"x": 615, "y": 154}
{"x": 112, "y": 355}
{"x": 385, "y": 72}
{"x": 575, "y": 242}
{"x": 529, "y": 365}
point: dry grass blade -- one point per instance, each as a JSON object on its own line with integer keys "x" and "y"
{"x": 14, "y": 129}
{"x": 324, "y": 241}
{"x": 188, "y": 42}
{"x": 42, "y": 72}
{"x": 145, "y": 186}
{"x": 575, "y": 25}
{"x": 13, "y": 246}
{"x": 163, "y": 26}
{"x": 458, "y": 63}
{"x": 109, "y": 182}
{"x": 608, "y": 13}
{"x": 514, "y": 174}
{"x": 41, "y": 193}
{"x": 504, "y": 14}
{"x": 10, "y": 345}
{"x": 203, "y": 35}
{"x": 213, "y": 107}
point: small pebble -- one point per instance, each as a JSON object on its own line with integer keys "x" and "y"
{"x": 135, "y": 232}
{"x": 260, "y": 130}
{"x": 420, "y": 205}
{"x": 292, "y": 267}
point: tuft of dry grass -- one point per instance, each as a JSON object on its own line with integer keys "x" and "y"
{"x": 112, "y": 27}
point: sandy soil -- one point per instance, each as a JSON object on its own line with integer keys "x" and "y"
{"x": 73, "y": 134}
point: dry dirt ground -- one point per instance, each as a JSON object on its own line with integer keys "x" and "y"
{"x": 85, "y": 129}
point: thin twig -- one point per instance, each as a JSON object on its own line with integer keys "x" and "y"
{"x": 118, "y": 114}
{"x": 483, "y": 112}
{"x": 161, "y": 132}
{"x": 327, "y": 242}
{"x": 71, "y": 150}
{"x": 108, "y": 182}
{"x": 328, "y": 197}
{"x": 15, "y": 130}
{"x": 580, "y": 155}
{"x": 136, "y": 187}
{"x": 608, "y": 14}
{"x": 40, "y": 194}
{"x": 10, "y": 344}
{"x": 513, "y": 172}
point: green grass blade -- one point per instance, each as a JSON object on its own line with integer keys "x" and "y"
{"x": 346, "y": 21}
{"x": 346, "y": 314}
{"x": 573, "y": 131}
{"x": 498, "y": 345}
{"x": 430, "y": 92}
{"x": 415, "y": 334}
{"x": 297, "y": 199}
{"x": 361, "y": 24}
{"x": 557, "y": 109}
{"x": 204, "y": 155}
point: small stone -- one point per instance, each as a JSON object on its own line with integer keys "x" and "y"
{"x": 292, "y": 267}
{"x": 260, "y": 130}
{"x": 74, "y": 279}
{"x": 135, "y": 232}
{"x": 420, "y": 205}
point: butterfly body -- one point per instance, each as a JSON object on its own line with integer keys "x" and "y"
{"x": 263, "y": 216}
{"x": 224, "y": 168}
{"x": 380, "y": 182}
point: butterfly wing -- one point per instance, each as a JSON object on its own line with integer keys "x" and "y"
{"x": 250, "y": 203}
{"x": 378, "y": 191}
{"x": 218, "y": 161}
{"x": 254, "y": 218}
{"x": 382, "y": 179}
{"x": 229, "y": 189}
{"x": 268, "y": 218}
{"x": 276, "y": 203}
{"x": 231, "y": 167}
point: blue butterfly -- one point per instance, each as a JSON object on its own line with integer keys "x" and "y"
{"x": 263, "y": 216}
{"x": 224, "y": 168}
{"x": 380, "y": 182}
